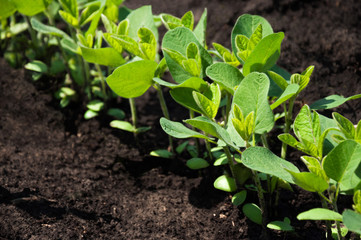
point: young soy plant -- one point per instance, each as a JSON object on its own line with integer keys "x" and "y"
{"x": 247, "y": 116}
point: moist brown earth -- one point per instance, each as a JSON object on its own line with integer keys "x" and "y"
{"x": 62, "y": 177}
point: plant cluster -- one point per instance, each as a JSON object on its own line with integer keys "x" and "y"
{"x": 236, "y": 98}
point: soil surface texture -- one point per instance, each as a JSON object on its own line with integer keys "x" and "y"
{"x": 62, "y": 177}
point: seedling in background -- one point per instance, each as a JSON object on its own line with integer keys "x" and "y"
{"x": 336, "y": 172}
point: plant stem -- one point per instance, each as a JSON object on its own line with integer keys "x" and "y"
{"x": 334, "y": 204}
{"x": 208, "y": 147}
{"x": 264, "y": 141}
{"x": 133, "y": 111}
{"x": 262, "y": 203}
{"x": 288, "y": 119}
{"x": 328, "y": 223}
{"x": 32, "y": 33}
{"x": 228, "y": 107}
{"x": 102, "y": 80}
{"x": 191, "y": 115}
{"x": 230, "y": 163}
{"x": 165, "y": 111}
{"x": 83, "y": 65}
{"x": 62, "y": 51}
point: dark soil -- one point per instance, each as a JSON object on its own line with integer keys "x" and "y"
{"x": 66, "y": 178}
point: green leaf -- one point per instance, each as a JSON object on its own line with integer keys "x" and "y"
{"x": 117, "y": 113}
{"x": 180, "y": 148}
{"x": 251, "y": 96}
{"x": 116, "y": 44}
{"x": 37, "y": 66}
{"x": 110, "y": 27}
{"x": 209, "y": 102}
{"x": 200, "y": 29}
{"x": 320, "y": 214}
{"x": 188, "y": 20}
{"x": 357, "y": 201}
{"x": 343, "y": 164}
{"x": 225, "y": 75}
{"x": 289, "y": 92}
{"x": 175, "y": 56}
{"x": 241, "y": 46}
{"x": 7, "y": 8}
{"x": 178, "y": 40}
{"x": 67, "y": 17}
{"x": 314, "y": 166}
{"x": 123, "y": 125}
{"x": 206, "y": 105}
{"x": 255, "y": 38}
{"x": 70, "y": 6}
{"x": 328, "y": 143}
{"x": 345, "y": 125}
{"x": 281, "y": 225}
{"x": 170, "y": 22}
{"x": 307, "y": 128}
{"x": 192, "y": 67}
{"x": 178, "y": 130}
{"x": 264, "y": 55}
{"x": 29, "y": 8}
{"x": 253, "y": 212}
{"x": 90, "y": 114}
{"x": 161, "y": 68}
{"x": 184, "y": 96}
{"x": 352, "y": 220}
{"x": 239, "y": 198}
{"x": 40, "y": 27}
{"x": 358, "y": 132}
{"x": 142, "y": 17}
{"x": 197, "y": 163}
{"x": 123, "y": 27}
{"x": 183, "y": 93}
{"x": 103, "y": 56}
{"x": 95, "y": 105}
{"x": 69, "y": 44}
{"x": 221, "y": 160}
{"x": 290, "y": 140}
{"x": 278, "y": 79}
{"x": 332, "y": 101}
{"x": 132, "y": 79}
{"x": 127, "y": 43}
{"x": 147, "y": 43}
{"x": 225, "y": 183}
{"x": 309, "y": 181}
{"x": 89, "y": 13}
{"x": 246, "y": 25}
{"x": 161, "y": 153}
{"x": 95, "y": 20}
{"x": 263, "y": 160}
{"x": 212, "y": 128}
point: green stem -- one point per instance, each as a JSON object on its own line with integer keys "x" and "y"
{"x": 231, "y": 163}
{"x": 228, "y": 107}
{"x": 62, "y": 51}
{"x": 288, "y": 121}
{"x": 208, "y": 147}
{"x": 264, "y": 141}
{"x": 191, "y": 115}
{"x": 133, "y": 111}
{"x": 102, "y": 80}
{"x": 328, "y": 223}
{"x": 165, "y": 111}
{"x": 32, "y": 33}
{"x": 83, "y": 65}
{"x": 262, "y": 203}
{"x": 334, "y": 204}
